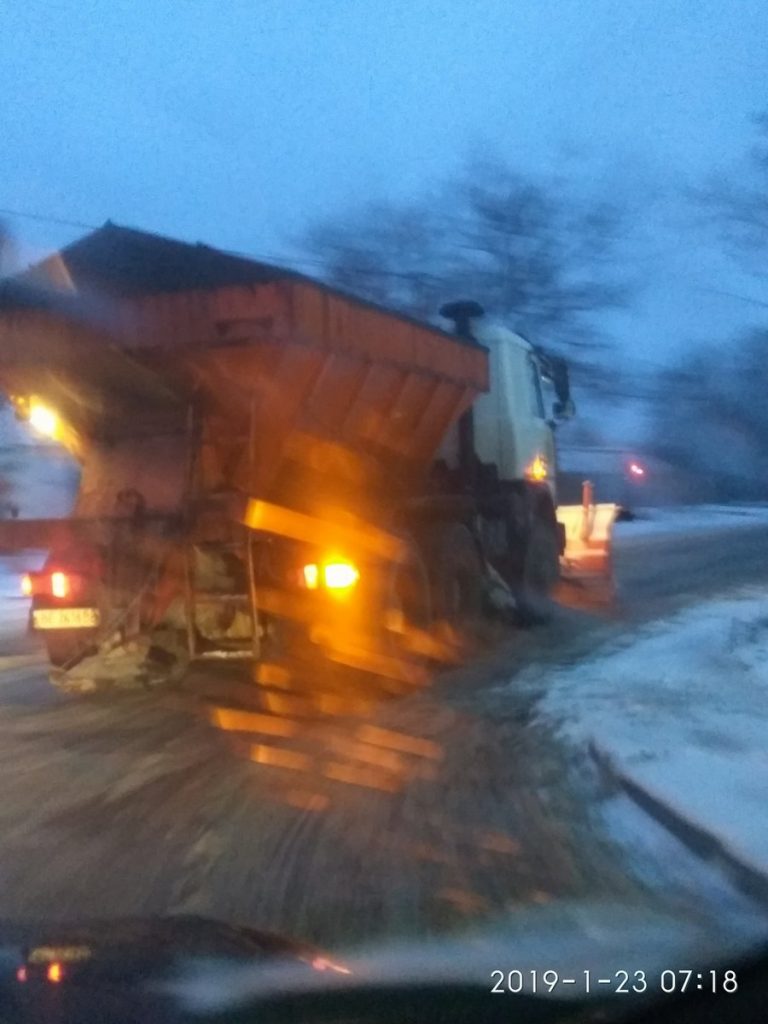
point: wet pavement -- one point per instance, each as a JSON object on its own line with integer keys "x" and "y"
{"x": 421, "y": 815}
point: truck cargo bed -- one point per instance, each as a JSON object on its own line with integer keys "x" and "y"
{"x": 268, "y": 355}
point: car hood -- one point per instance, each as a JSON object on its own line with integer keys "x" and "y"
{"x": 203, "y": 966}
{"x": 569, "y": 939}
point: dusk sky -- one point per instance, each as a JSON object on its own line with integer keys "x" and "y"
{"x": 239, "y": 122}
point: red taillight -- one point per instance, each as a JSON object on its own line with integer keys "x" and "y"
{"x": 57, "y": 584}
{"x": 34, "y": 583}
{"x": 60, "y": 584}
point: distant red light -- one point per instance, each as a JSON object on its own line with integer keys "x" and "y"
{"x": 320, "y": 963}
{"x": 21, "y": 974}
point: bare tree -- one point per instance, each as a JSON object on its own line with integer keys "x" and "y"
{"x": 738, "y": 209}
{"x": 713, "y": 423}
{"x": 528, "y": 251}
{"x": 384, "y": 252}
{"x": 710, "y": 413}
{"x": 8, "y": 256}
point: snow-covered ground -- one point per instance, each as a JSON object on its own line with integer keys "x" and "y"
{"x": 683, "y": 710}
{"x": 661, "y": 522}
{"x": 14, "y": 609}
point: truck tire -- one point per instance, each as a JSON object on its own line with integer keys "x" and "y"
{"x": 541, "y": 571}
{"x": 409, "y": 593}
{"x": 167, "y": 658}
{"x": 456, "y": 570}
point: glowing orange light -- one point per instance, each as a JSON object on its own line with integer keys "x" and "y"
{"x": 337, "y": 575}
{"x": 538, "y": 469}
{"x": 44, "y": 420}
{"x": 311, "y": 577}
{"x": 55, "y": 973}
{"x": 21, "y": 974}
{"x": 59, "y": 584}
{"x": 340, "y": 575}
{"x": 26, "y": 585}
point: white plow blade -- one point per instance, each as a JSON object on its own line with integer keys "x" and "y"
{"x": 588, "y": 541}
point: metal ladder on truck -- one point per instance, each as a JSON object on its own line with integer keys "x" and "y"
{"x": 234, "y": 549}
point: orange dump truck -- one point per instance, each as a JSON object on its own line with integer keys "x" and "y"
{"x": 271, "y": 469}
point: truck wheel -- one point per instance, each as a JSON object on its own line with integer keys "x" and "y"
{"x": 541, "y": 571}
{"x": 457, "y": 575}
{"x": 167, "y": 658}
{"x": 409, "y": 594}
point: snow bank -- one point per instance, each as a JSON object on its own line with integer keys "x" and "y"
{"x": 683, "y": 710}
{"x": 14, "y": 609}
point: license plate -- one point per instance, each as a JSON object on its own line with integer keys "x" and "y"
{"x": 65, "y": 618}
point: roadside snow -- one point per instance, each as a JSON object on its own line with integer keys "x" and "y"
{"x": 14, "y": 609}
{"x": 13, "y": 567}
{"x": 660, "y": 522}
{"x": 683, "y": 710}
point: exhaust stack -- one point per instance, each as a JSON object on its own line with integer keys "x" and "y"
{"x": 462, "y": 312}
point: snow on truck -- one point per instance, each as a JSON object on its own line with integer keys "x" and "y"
{"x": 271, "y": 470}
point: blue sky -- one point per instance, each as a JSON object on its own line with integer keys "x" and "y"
{"x": 238, "y": 122}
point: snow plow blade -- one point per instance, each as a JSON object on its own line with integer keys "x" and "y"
{"x": 588, "y": 556}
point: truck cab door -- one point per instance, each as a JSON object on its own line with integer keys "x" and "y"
{"x": 537, "y": 442}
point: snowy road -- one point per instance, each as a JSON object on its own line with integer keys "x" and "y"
{"x": 676, "y": 559}
{"x": 134, "y": 804}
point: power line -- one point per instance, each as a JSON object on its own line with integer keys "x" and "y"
{"x": 25, "y": 215}
{"x": 307, "y": 261}
{"x": 261, "y": 257}
{"x": 734, "y": 295}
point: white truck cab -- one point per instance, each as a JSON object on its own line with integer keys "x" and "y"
{"x": 511, "y": 427}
